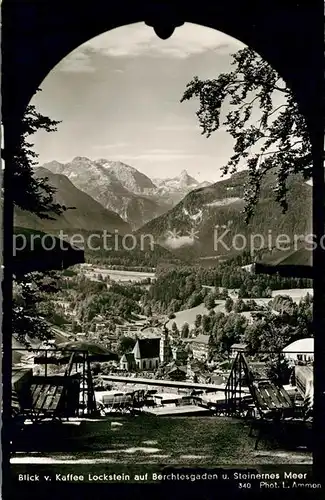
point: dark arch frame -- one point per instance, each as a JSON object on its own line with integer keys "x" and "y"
{"x": 289, "y": 35}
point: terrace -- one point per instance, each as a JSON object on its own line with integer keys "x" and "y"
{"x": 171, "y": 441}
{"x": 216, "y": 429}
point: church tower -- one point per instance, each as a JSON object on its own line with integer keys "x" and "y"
{"x": 165, "y": 349}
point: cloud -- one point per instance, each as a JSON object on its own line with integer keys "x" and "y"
{"x": 175, "y": 128}
{"x": 165, "y": 151}
{"x": 179, "y": 242}
{"x": 140, "y": 40}
{"x": 115, "y": 145}
{"x": 76, "y": 62}
{"x": 158, "y": 155}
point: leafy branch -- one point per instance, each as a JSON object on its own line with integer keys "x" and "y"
{"x": 31, "y": 193}
{"x": 276, "y": 141}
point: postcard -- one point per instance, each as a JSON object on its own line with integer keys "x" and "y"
{"x": 163, "y": 257}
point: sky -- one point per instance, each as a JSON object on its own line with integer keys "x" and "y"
{"x": 118, "y": 97}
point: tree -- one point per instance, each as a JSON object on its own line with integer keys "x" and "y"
{"x": 32, "y": 193}
{"x": 273, "y": 140}
{"x": 209, "y": 301}
{"x": 35, "y": 195}
{"x": 174, "y": 328}
{"x": 229, "y": 304}
{"x": 239, "y": 306}
{"x": 198, "y": 320}
{"x": 185, "y": 331}
{"x": 206, "y": 323}
{"x": 278, "y": 370}
{"x": 232, "y": 331}
{"x": 125, "y": 344}
{"x": 28, "y": 296}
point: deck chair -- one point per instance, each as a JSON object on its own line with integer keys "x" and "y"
{"x": 17, "y": 414}
{"x": 47, "y": 401}
{"x": 274, "y": 409}
{"x": 48, "y": 396}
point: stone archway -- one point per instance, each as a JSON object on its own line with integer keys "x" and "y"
{"x": 40, "y": 34}
{"x": 37, "y": 35}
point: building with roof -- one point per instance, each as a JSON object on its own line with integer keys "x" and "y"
{"x": 127, "y": 362}
{"x": 300, "y": 350}
{"x": 146, "y": 353}
{"x": 200, "y": 346}
{"x": 177, "y": 373}
{"x": 180, "y": 353}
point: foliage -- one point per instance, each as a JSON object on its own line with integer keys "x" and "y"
{"x": 209, "y": 301}
{"x": 272, "y": 138}
{"x": 125, "y": 345}
{"x": 185, "y": 331}
{"x": 31, "y": 193}
{"x": 108, "y": 303}
{"x": 29, "y": 295}
{"x": 176, "y": 289}
{"x": 278, "y": 370}
{"x": 229, "y": 304}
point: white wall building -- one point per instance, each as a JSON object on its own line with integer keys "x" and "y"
{"x": 300, "y": 350}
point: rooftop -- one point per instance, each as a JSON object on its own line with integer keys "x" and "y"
{"x": 127, "y": 357}
{"x": 147, "y": 348}
{"x": 201, "y": 339}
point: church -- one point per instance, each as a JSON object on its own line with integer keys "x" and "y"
{"x": 148, "y": 354}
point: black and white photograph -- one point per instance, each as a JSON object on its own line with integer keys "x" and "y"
{"x": 162, "y": 271}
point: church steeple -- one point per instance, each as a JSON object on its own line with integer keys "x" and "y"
{"x": 165, "y": 349}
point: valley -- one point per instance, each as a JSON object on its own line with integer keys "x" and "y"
{"x": 152, "y": 281}
{"x": 187, "y": 221}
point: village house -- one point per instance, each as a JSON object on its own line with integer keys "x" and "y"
{"x": 179, "y": 353}
{"x": 200, "y": 346}
{"x": 127, "y": 362}
{"x": 177, "y": 373}
{"x": 194, "y": 370}
{"x": 301, "y": 350}
{"x": 129, "y": 329}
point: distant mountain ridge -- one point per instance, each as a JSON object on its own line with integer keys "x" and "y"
{"x": 117, "y": 186}
{"x": 191, "y": 225}
{"x": 123, "y": 189}
{"x": 86, "y": 214}
{"x": 172, "y": 190}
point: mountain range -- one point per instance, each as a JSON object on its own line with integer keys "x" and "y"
{"x": 190, "y": 227}
{"x": 116, "y": 186}
{"x": 174, "y": 189}
{"x": 123, "y": 189}
{"x": 180, "y": 213}
{"x": 83, "y": 211}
